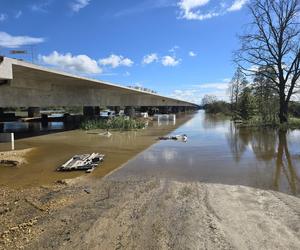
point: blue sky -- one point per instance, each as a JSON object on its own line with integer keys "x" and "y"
{"x": 179, "y": 48}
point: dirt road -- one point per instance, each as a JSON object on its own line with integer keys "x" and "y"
{"x": 115, "y": 213}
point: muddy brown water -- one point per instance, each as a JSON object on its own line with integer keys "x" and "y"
{"x": 218, "y": 152}
{"x": 52, "y": 150}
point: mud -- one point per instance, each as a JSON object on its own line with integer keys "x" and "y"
{"x": 149, "y": 213}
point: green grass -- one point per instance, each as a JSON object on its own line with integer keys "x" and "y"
{"x": 116, "y": 123}
{"x": 293, "y": 123}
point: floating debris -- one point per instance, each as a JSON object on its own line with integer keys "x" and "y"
{"x": 85, "y": 162}
{"x": 106, "y": 134}
{"x": 9, "y": 163}
{"x": 182, "y": 138}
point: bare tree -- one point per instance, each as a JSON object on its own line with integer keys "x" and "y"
{"x": 208, "y": 99}
{"x": 274, "y": 42}
{"x": 266, "y": 96}
{"x": 236, "y": 86}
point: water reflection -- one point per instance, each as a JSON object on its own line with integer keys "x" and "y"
{"x": 28, "y": 129}
{"x": 217, "y": 151}
{"x": 264, "y": 143}
{"x": 284, "y": 165}
{"x": 161, "y": 122}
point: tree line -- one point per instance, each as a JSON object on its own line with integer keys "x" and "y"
{"x": 267, "y": 78}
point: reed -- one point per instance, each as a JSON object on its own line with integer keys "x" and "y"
{"x": 116, "y": 123}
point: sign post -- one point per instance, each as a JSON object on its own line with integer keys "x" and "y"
{"x": 12, "y": 135}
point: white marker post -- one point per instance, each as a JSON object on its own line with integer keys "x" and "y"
{"x": 8, "y": 137}
{"x": 12, "y": 136}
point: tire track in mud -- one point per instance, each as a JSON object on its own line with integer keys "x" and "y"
{"x": 155, "y": 213}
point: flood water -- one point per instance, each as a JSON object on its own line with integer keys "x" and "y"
{"x": 53, "y": 146}
{"x": 217, "y": 152}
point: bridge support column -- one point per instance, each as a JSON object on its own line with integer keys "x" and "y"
{"x": 144, "y": 109}
{"x": 44, "y": 120}
{"x": 97, "y": 111}
{"x": 88, "y": 111}
{"x": 130, "y": 111}
{"x": 1, "y": 114}
{"x": 117, "y": 109}
{"x": 181, "y": 109}
{"x": 164, "y": 110}
{"x": 175, "y": 109}
{"x": 34, "y": 112}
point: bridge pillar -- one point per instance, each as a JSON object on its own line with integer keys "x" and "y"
{"x": 1, "y": 114}
{"x": 130, "y": 111}
{"x": 181, "y": 109}
{"x": 175, "y": 109}
{"x": 44, "y": 120}
{"x": 97, "y": 111}
{"x": 34, "y": 112}
{"x": 164, "y": 110}
{"x": 117, "y": 109}
{"x": 144, "y": 109}
{"x": 88, "y": 111}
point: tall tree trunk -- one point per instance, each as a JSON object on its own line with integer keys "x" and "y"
{"x": 283, "y": 110}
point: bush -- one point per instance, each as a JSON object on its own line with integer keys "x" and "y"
{"x": 118, "y": 123}
{"x": 294, "y": 109}
{"x": 217, "y": 107}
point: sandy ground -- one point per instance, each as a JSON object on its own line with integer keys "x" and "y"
{"x": 16, "y": 157}
{"x": 151, "y": 213}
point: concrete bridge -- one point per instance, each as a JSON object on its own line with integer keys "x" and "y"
{"x": 23, "y": 84}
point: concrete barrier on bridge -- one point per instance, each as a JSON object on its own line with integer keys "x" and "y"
{"x": 24, "y": 84}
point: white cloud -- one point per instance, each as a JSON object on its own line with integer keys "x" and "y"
{"x": 18, "y": 14}
{"x": 115, "y": 61}
{"x": 150, "y": 58}
{"x": 192, "y": 54}
{"x": 41, "y": 7}
{"x": 253, "y": 68}
{"x": 189, "y": 9}
{"x": 77, "y": 5}
{"x": 173, "y": 50}
{"x": 68, "y": 62}
{"x": 200, "y": 17}
{"x": 195, "y": 93}
{"x": 170, "y": 61}
{"x": 138, "y": 84}
{"x": 143, "y": 6}
{"x": 9, "y": 41}
{"x": 188, "y": 5}
{"x": 215, "y": 86}
{"x": 237, "y": 5}
{"x": 3, "y": 17}
{"x": 190, "y": 95}
{"x": 203, "y": 9}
